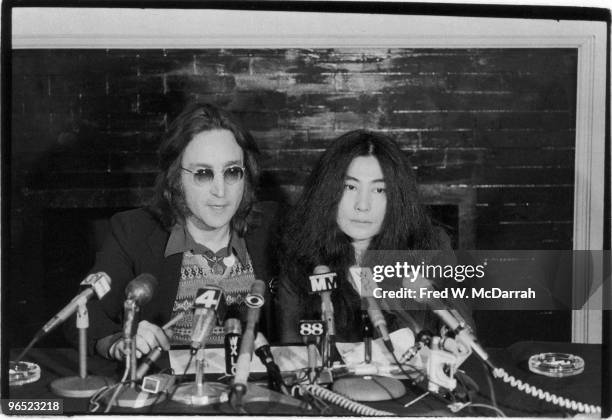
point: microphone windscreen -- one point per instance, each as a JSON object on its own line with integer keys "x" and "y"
{"x": 100, "y": 283}
{"x": 322, "y": 280}
{"x": 141, "y": 289}
{"x": 321, "y": 269}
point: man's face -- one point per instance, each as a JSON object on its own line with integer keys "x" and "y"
{"x": 212, "y": 204}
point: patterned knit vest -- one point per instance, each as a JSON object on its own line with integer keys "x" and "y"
{"x": 196, "y": 273}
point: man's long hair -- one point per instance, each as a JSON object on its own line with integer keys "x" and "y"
{"x": 312, "y": 236}
{"x": 168, "y": 203}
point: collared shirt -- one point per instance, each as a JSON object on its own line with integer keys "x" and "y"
{"x": 180, "y": 241}
{"x": 198, "y": 271}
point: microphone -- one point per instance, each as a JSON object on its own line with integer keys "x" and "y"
{"x": 138, "y": 292}
{"x": 155, "y": 354}
{"x": 447, "y": 316}
{"x": 323, "y": 282}
{"x": 262, "y": 349}
{"x": 376, "y": 316}
{"x": 462, "y": 333}
{"x": 378, "y": 321}
{"x": 207, "y": 303}
{"x": 80, "y": 386}
{"x": 254, "y": 301}
{"x": 367, "y": 336}
{"x": 311, "y": 332}
{"x": 209, "y": 307}
{"x": 96, "y": 284}
{"x": 233, "y": 330}
{"x": 275, "y": 379}
{"x": 141, "y": 289}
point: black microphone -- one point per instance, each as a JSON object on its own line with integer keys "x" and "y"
{"x": 367, "y": 336}
{"x": 254, "y": 301}
{"x": 207, "y": 304}
{"x": 324, "y": 282}
{"x": 97, "y": 284}
{"x": 138, "y": 292}
{"x": 233, "y": 331}
{"x": 263, "y": 351}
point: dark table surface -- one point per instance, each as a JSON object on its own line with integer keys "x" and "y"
{"x": 585, "y": 387}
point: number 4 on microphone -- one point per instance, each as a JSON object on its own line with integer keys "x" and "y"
{"x": 208, "y": 298}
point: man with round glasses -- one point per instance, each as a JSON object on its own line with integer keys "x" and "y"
{"x": 202, "y": 228}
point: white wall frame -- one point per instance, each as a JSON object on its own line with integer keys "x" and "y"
{"x": 209, "y": 28}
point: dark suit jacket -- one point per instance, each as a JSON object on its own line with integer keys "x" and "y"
{"x": 136, "y": 245}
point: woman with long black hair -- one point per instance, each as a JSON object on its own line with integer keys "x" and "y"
{"x": 361, "y": 196}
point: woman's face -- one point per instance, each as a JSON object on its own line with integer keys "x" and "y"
{"x": 362, "y": 208}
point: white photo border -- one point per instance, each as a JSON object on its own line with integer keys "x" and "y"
{"x": 113, "y": 28}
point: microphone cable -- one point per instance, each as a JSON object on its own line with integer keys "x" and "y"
{"x": 120, "y": 385}
{"x": 420, "y": 373}
{"x": 489, "y": 375}
{"x": 341, "y": 401}
{"x": 94, "y": 404}
{"x": 183, "y": 375}
{"x": 29, "y": 346}
{"x": 159, "y": 394}
{"x": 490, "y": 407}
{"x": 536, "y": 392}
{"x": 238, "y": 408}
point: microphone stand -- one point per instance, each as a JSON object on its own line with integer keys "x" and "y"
{"x": 328, "y": 349}
{"x": 311, "y": 345}
{"x": 81, "y": 386}
{"x": 328, "y": 343}
{"x": 199, "y": 393}
{"x": 133, "y": 396}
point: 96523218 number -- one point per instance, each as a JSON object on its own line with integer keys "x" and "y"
{"x": 32, "y": 406}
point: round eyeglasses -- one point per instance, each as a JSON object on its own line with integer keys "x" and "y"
{"x": 204, "y": 176}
